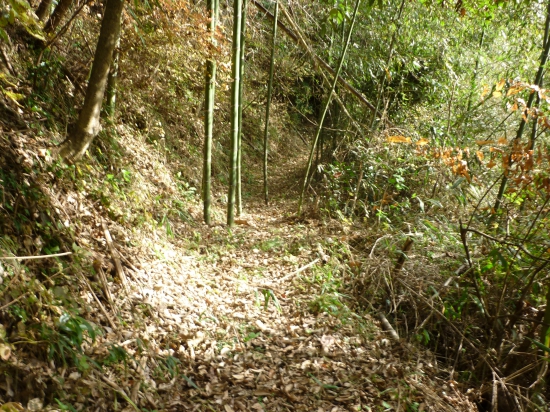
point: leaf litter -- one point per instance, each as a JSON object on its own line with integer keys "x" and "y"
{"x": 210, "y": 320}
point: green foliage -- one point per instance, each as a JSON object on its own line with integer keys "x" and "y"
{"x": 270, "y": 296}
{"x": 67, "y": 338}
{"x": 20, "y": 11}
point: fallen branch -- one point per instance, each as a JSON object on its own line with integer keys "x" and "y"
{"x": 375, "y": 243}
{"x": 7, "y": 62}
{"x": 290, "y": 275}
{"x": 13, "y": 301}
{"x": 387, "y": 326}
{"x": 103, "y": 279}
{"x": 35, "y": 257}
{"x": 483, "y": 357}
{"x": 115, "y": 256}
{"x": 100, "y": 304}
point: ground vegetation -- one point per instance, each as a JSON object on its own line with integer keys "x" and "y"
{"x": 402, "y": 260}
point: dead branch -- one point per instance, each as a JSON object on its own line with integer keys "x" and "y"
{"x": 99, "y": 303}
{"x": 292, "y": 274}
{"x": 35, "y": 257}
{"x": 387, "y": 326}
{"x": 115, "y": 256}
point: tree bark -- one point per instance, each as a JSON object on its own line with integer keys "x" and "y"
{"x": 112, "y": 82}
{"x": 241, "y": 76}
{"x": 43, "y": 9}
{"x": 209, "y": 97}
{"x": 57, "y": 16}
{"x": 88, "y": 125}
{"x": 268, "y": 103}
{"x": 237, "y": 7}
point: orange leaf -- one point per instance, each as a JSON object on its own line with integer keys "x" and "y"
{"x": 491, "y": 164}
{"x": 480, "y": 155}
{"x": 485, "y": 91}
{"x": 497, "y": 94}
{"x": 500, "y": 85}
{"x": 514, "y": 107}
{"x": 398, "y": 139}
{"x": 484, "y": 142}
{"x": 422, "y": 142}
{"x": 514, "y": 90}
{"x": 502, "y": 141}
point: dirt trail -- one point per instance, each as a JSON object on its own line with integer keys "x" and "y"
{"x": 241, "y": 316}
{"x": 218, "y": 320}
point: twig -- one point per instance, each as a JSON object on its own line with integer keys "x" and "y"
{"x": 463, "y": 231}
{"x": 310, "y": 264}
{"x": 100, "y": 304}
{"x": 134, "y": 269}
{"x": 375, "y": 243}
{"x": 13, "y": 301}
{"x": 504, "y": 242}
{"x": 103, "y": 279}
{"x": 451, "y": 375}
{"x": 119, "y": 390}
{"x": 62, "y": 31}
{"x": 387, "y": 326}
{"x": 482, "y": 356}
{"x": 494, "y": 400}
{"x": 35, "y": 257}
{"x": 115, "y": 256}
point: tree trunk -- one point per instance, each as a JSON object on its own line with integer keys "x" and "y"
{"x": 43, "y": 9}
{"x": 320, "y": 128}
{"x": 88, "y": 125}
{"x": 57, "y": 16}
{"x": 241, "y": 76}
{"x": 112, "y": 82}
{"x": 237, "y": 7}
{"x": 268, "y": 103}
{"x": 382, "y": 80}
{"x": 209, "y": 95}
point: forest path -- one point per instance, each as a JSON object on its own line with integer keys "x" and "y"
{"x": 247, "y": 319}
{"x": 256, "y": 323}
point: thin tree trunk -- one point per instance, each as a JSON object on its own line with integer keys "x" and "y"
{"x": 57, "y": 16}
{"x": 237, "y": 7}
{"x": 241, "y": 76}
{"x": 538, "y": 82}
{"x": 112, "y": 82}
{"x": 317, "y": 59}
{"x": 388, "y": 61}
{"x": 268, "y": 103}
{"x": 209, "y": 97}
{"x": 336, "y": 77}
{"x": 88, "y": 125}
{"x": 43, "y": 9}
{"x": 473, "y": 84}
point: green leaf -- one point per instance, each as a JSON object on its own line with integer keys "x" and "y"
{"x": 540, "y": 345}
{"x": 3, "y": 34}
{"x": 20, "y": 6}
